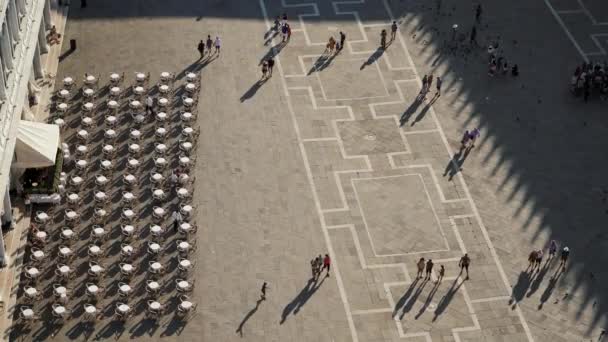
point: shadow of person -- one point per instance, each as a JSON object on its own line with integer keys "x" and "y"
{"x": 270, "y": 38}
{"x": 455, "y": 164}
{"x": 404, "y": 298}
{"x": 520, "y": 288}
{"x": 318, "y": 65}
{"x": 254, "y": 89}
{"x": 239, "y": 330}
{"x": 197, "y": 65}
{"x": 327, "y": 63}
{"x": 410, "y": 110}
{"x": 447, "y": 298}
{"x": 410, "y": 303}
{"x": 550, "y": 287}
{"x": 428, "y": 300}
{"x": 296, "y": 304}
{"x": 538, "y": 279}
{"x": 272, "y": 52}
{"x": 422, "y": 113}
{"x": 372, "y": 58}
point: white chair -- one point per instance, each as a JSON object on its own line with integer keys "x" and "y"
{"x": 133, "y": 164}
{"x": 37, "y": 254}
{"x": 88, "y": 93}
{"x": 185, "y": 146}
{"x": 160, "y": 132}
{"x": 100, "y": 215}
{"x": 110, "y": 134}
{"x": 31, "y": 293}
{"x": 185, "y": 307}
{"x": 99, "y": 233}
{"x": 83, "y": 135}
{"x": 160, "y": 163}
{"x": 128, "y": 215}
{"x": 135, "y": 134}
{"x": 88, "y": 107}
{"x": 60, "y": 312}
{"x": 111, "y": 121}
{"x": 190, "y": 88}
{"x": 186, "y": 117}
{"x": 101, "y": 197}
{"x": 161, "y": 117}
{"x": 59, "y": 122}
{"x": 126, "y": 251}
{"x": 108, "y": 150}
{"x": 139, "y": 117}
{"x": 191, "y": 77}
{"x": 129, "y": 180}
{"x": 185, "y": 209}
{"x": 41, "y": 217}
{"x": 157, "y": 232}
{"x": 95, "y": 251}
{"x": 106, "y": 165}
{"x": 184, "y": 265}
{"x": 185, "y": 162}
{"x": 93, "y": 290}
{"x": 164, "y": 89}
{"x": 160, "y": 148}
{"x": 101, "y": 180}
{"x": 139, "y": 90}
{"x": 127, "y": 198}
{"x": 154, "y": 248}
{"x": 183, "y": 286}
{"x": 141, "y": 77}
{"x": 63, "y": 94}
{"x": 113, "y": 105}
{"x": 90, "y": 79}
{"x": 122, "y": 311}
{"x": 183, "y": 193}
{"x": 157, "y": 179}
{"x": 153, "y": 287}
{"x": 135, "y": 105}
{"x": 158, "y": 194}
{"x": 82, "y": 150}
{"x": 91, "y": 313}
{"x": 62, "y": 107}
{"x": 166, "y": 76}
{"x": 188, "y": 102}
{"x": 115, "y": 91}
{"x": 68, "y": 82}
{"x": 163, "y": 102}
{"x": 67, "y": 234}
{"x": 158, "y": 213}
{"x": 184, "y": 247}
{"x": 96, "y": 269}
{"x": 155, "y": 268}
{"x": 134, "y": 149}
{"x": 65, "y": 272}
{"x": 127, "y": 230}
{"x": 71, "y": 216}
{"x": 116, "y": 78}
{"x": 65, "y": 253}
{"x": 124, "y": 290}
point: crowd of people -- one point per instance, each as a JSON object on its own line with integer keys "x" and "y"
{"x": 590, "y": 78}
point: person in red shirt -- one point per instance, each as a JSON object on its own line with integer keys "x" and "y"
{"x": 326, "y": 263}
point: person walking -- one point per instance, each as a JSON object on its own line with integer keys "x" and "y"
{"x": 331, "y": 44}
{"x": 429, "y": 83}
{"x": 464, "y": 263}
{"x": 209, "y": 43}
{"x": 539, "y": 259}
{"x": 564, "y": 257}
{"x": 532, "y": 259}
{"x": 263, "y": 290}
{"x": 439, "y": 82}
{"x": 441, "y": 273}
{"x": 326, "y": 264}
{"x": 270, "y": 66}
{"x": 284, "y": 32}
{"x": 383, "y": 39}
{"x": 264, "y": 69}
{"x": 201, "y": 48}
{"x": 552, "y": 249}
{"x": 425, "y": 80}
{"x": 429, "y": 269}
{"x": 288, "y": 31}
{"x": 478, "y": 11}
{"x": 393, "y": 30}
{"x": 342, "y": 39}
{"x": 218, "y": 44}
{"x": 313, "y": 268}
{"x": 177, "y": 219}
{"x": 473, "y": 135}
{"x": 465, "y": 140}
{"x": 473, "y": 38}
{"x": 149, "y": 105}
{"x": 420, "y": 264}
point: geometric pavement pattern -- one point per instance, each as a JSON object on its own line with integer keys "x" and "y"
{"x": 377, "y": 166}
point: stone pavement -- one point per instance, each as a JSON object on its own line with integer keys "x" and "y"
{"x": 334, "y": 154}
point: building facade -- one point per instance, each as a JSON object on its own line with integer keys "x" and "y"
{"x": 24, "y": 24}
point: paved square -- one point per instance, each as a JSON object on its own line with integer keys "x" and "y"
{"x": 346, "y": 161}
{"x": 366, "y": 137}
{"x": 399, "y": 215}
{"x": 342, "y": 79}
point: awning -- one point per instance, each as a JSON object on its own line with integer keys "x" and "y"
{"x": 36, "y": 145}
